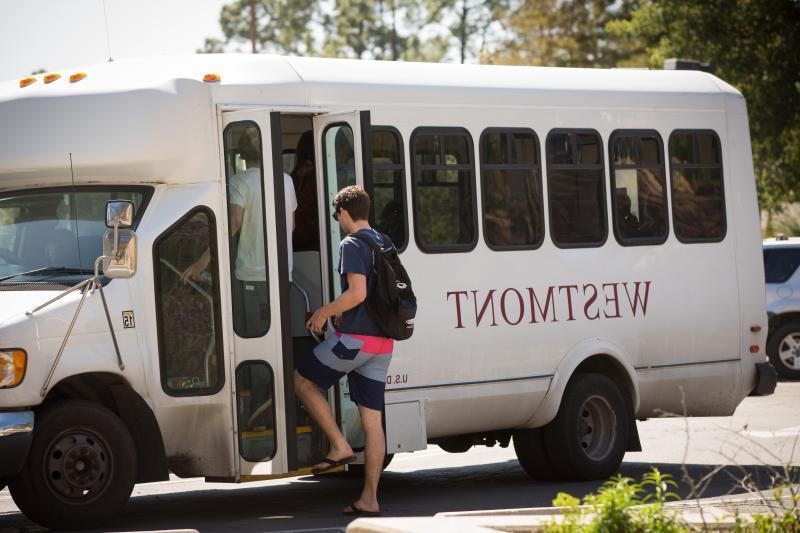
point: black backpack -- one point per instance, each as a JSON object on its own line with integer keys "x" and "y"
{"x": 390, "y": 302}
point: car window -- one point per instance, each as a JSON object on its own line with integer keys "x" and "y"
{"x": 780, "y": 264}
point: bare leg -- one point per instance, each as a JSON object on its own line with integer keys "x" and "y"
{"x": 375, "y": 450}
{"x": 320, "y": 410}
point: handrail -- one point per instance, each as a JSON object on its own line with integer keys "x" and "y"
{"x": 299, "y": 288}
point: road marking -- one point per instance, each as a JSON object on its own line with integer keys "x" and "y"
{"x": 793, "y": 431}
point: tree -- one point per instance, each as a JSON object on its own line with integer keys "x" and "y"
{"x": 472, "y": 21}
{"x": 753, "y": 45}
{"x": 283, "y": 26}
{"x": 384, "y": 29}
{"x": 568, "y": 33}
{"x": 212, "y": 46}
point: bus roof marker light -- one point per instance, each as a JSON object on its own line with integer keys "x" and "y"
{"x": 50, "y": 78}
{"x": 24, "y": 82}
{"x": 78, "y": 76}
{"x": 211, "y": 78}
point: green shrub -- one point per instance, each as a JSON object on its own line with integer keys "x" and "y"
{"x": 619, "y": 507}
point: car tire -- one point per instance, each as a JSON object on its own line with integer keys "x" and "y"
{"x": 532, "y": 454}
{"x": 783, "y": 349}
{"x": 80, "y": 470}
{"x": 588, "y": 437}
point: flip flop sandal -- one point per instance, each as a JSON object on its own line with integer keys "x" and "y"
{"x": 353, "y": 510}
{"x": 331, "y": 464}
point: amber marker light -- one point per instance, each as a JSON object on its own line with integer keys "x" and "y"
{"x": 50, "y": 78}
{"x": 24, "y": 82}
{"x": 12, "y": 367}
{"x": 211, "y": 78}
{"x": 77, "y": 77}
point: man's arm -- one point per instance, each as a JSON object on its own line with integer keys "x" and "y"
{"x": 355, "y": 294}
{"x": 193, "y": 271}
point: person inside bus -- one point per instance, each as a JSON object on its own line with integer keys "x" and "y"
{"x": 628, "y": 222}
{"x": 306, "y": 231}
{"x": 358, "y": 350}
{"x": 247, "y": 221}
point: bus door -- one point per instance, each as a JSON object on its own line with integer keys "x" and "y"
{"x": 342, "y": 147}
{"x": 259, "y": 288}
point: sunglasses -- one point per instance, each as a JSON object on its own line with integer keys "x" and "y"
{"x": 335, "y": 215}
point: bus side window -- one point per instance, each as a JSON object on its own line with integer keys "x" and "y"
{"x": 388, "y": 185}
{"x": 698, "y": 196}
{"x": 445, "y": 217}
{"x": 639, "y": 199}
{"x": 188, "y": 313}
{"x": 576, "y": 188}
{"x": 511, "y": 189}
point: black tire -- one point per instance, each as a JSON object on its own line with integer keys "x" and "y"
{"x": 783, "y": 349}
{"x": 587, "y": 439}
{"x": 532, "y": 454}
{"x": 80, "y": 470}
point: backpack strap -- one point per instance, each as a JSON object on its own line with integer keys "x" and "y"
{"x": 372, "y": 243}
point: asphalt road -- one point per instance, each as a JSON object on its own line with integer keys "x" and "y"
{"x": 720, "y": 455}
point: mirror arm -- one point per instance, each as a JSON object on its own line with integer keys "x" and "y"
{"x": 115, "y": 251}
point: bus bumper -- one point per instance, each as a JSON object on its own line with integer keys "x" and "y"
{"x": 766, "y": 380}
{"x": 16, "y": 434}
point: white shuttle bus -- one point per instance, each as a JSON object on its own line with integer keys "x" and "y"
{"x": 584, "y": 246}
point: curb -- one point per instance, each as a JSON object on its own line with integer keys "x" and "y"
{"x": 717, "y": 513}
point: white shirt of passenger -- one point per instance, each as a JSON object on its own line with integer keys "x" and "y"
{"x": 244, "y": 191}
{"x": 291, "y": 206}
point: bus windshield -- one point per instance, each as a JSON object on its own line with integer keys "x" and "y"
{"x": 56, "y": 234}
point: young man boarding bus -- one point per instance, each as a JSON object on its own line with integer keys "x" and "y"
{"x": 358, "y": 349}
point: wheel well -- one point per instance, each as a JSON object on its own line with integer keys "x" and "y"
{"x": 114, "y": 393}
{"x": 611, "y": 368}
{"x": 776, "y": 321}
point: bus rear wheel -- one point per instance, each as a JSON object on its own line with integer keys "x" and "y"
{"x": 532, "y": 454}
{"x": 587, "y": 439}
{"x": 80, "y": 470}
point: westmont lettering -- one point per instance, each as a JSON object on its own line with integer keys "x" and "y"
{"x": 558, "y": 303}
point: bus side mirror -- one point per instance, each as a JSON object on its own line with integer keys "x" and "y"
{"x": 119, "y": 242}
{"x": 122, "y": 264}
{"x": 119, "y": 214}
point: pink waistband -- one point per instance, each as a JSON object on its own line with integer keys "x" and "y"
{"x": 372, "y": 344}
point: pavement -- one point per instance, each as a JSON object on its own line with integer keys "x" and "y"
{"x": 717, "y": 514}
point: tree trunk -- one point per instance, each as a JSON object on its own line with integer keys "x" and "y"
{"x": 253, "y": 24}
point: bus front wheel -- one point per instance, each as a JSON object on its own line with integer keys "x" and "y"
{"x": 587, "y": 439}
{"x": 80, "y": 470}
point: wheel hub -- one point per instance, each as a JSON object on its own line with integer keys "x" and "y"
{"x": 597, "y": 427}
{"x": 77, "y": 465}
{"x": 789, "y": 351}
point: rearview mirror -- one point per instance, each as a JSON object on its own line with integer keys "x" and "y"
{"x": 119, "y": 213}
{"x": 122, "y": 264}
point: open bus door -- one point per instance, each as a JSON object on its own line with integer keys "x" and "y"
{"x": 261, "y": 339}
{"x": 343, "y": 152}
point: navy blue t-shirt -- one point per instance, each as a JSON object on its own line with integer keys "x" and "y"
{"x": 356, "y": 256}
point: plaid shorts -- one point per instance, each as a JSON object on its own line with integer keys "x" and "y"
{"x": 364, "y": 359}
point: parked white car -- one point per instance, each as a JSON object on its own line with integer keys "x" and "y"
{"x": 781, "y": 259}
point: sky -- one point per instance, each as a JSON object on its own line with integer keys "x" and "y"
{"x": 58, "y": 34}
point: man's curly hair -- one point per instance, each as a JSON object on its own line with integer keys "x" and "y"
{"x": 355, "y": 200}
